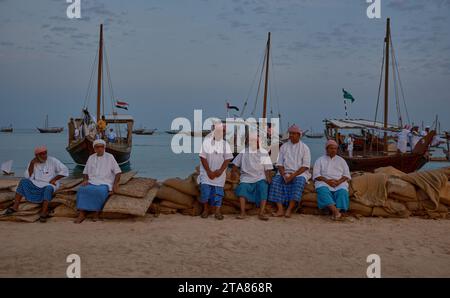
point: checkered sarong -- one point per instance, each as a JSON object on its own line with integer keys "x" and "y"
{"x": 280, "y": 192}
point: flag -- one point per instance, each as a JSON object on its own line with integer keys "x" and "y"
{"x": 122, "y": 105}
{"x": 347, "y": 95}
{"x": 230, "y": 107}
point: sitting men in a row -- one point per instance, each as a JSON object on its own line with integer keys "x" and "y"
{"x": 285, "y": 189}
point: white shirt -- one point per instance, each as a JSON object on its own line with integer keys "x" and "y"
{"x": 102, "y": 170}
{"x": 112, "y": 135}
{"x": 294, "y": 156}
{"x": 349, "y": 142}
{"x": 215, "y": 152}
{"x": 402, "y": 142}
{"x": 331, "y": 168}
{"x": 253, "y": 164}
{"x": 43, "y": 173}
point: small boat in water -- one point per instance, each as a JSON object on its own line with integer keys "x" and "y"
{"x": 83, "y": 130}
{"x": 7, "y": 129}
{"x": 47, "y": 129}
{"x": 313, "y": 135}
{"x": 172, "y": 132}
{"x": 144, "y": 131}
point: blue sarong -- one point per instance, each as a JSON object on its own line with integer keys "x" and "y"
{"x": 34, "y": 194}
{"x": 92, "y": 197}
{"x": 326, "y": 197}
{"x": 253, "y": 192}
{"x": 280, "y": 192}
{"x": 211, "y": 194}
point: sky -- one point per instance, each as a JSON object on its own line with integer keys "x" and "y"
{"x": 170, "y": 57}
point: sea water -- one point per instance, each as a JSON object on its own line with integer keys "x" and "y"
{"x": 151, "y": 155}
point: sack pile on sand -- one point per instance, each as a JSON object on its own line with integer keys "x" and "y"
{"x": 133, "y": 199}
{"x": 385, "y": 193}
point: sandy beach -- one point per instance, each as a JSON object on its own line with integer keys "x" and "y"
{"x": 184, "y": 246}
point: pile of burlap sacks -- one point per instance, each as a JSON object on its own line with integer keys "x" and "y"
{"x": 133, "y": 199}
{"x": 385, "y": 193}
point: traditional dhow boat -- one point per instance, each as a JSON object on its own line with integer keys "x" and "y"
{"x": 83, "y": 131}
{"x": 371, "y": 151}
{"x": 47, "y": 129}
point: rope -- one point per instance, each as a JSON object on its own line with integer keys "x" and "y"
{"x": 394, "y": 75}
{"x": 112, "y": 93}
{"x": 379, "y": 86}
{"x": 259, "y": 86}
{"x": 275, "y": 89}
{"x": 400, "y": 84}
{"x": 88, "y": 91}
{"x": 251, "y": 86}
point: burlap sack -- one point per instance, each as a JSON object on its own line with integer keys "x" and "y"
{"x": 186, "y": 186}
{"x": 172, "y": 205}
{"x": 167, "y": 210}
{"x": 390, "y": 171}
{"x": 68, "y": 200}
{"x": 309, "y": 197}
{"x": 136, "y": 187}
{"x": 126, "y": 177}
{"x": 5, "y": 205}
{"x": 229, "y": 210}
{"x": 64, "y": 211}
{"x": 196, "y": 209}
{"x": 309, "y": 204}
{"x": 370, "y": 189}
{"x": 401, "y": 190}
{"x": 444, "y": 196}
{"x": 309, "y": 187}
{"x": 18, "y": 218}
{"x": 6, "y": 196}
{"x": 26, "y": 206}
{"x": 230, "y": 195}
{"x": 130, "y": 205}
{"x": 170, "y": 194}
{"x": 391, "y": 209}
{"x": 309, "y": 211}
{"x": 8, "y": 183}
{"x": 358, "y": 208}
{"x": 69, "y": 183}
{"x": 413, "y": 206}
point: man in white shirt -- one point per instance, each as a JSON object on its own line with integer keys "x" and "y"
{"x": 293, "y": 164}
{"x": 349, "y": 142}
{"x": 41, "y": 181}
{"x": 101, "y": 179}
{"x": 111, "y": 136}
{"x": 255, "y": 165}
{"x": 402, "y": 141}
{"x": 215, "y": 155}
{"x": 331, "y": 175}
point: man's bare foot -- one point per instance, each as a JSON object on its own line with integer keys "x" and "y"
{"x": 241, "y": 216}
{"x": 218, "y": 216}
{"x": 261, "y": 216}
{"x": 279, "y": 213}
{"x": 80, "y": 219}
{"x": 205, "y": 214}
{"x": 288, "y": 213}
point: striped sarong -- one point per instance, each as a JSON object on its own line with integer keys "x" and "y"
{"x": 280, "y": 192}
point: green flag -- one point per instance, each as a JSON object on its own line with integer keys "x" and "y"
{"x": 348, "y": 95}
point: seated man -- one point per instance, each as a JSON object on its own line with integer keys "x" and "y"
{"x": 101, "y": 179}
{"x": 293, "y": 173}
{"x": 40, "y": 182}
{"x": 331, "y": 174}
{"x": 255, "y": 165}
{"x": 111, "y": 136}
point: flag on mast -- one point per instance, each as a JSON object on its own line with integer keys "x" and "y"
{"x": 230, "y": 107}
{"x": 122, "y": 105}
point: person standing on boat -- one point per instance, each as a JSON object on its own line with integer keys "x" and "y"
{"x": 255, "y": 165}
{"x": 215, "y": 155}
{"x": 111, "y": 136}
{"x": 402, "y": 141}
{"x": 41, "y": 181}
{"x": 101, "y": 127}
{"x": 101, "y": 179}
{"x": 349, "y": 142}
{"x": 293, "y": 165}
{"x": 331, "y": 175}
{"x": 415, "y": 137}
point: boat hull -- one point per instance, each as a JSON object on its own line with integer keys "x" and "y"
{"x": 50, "y": 130}
{"x": 405, "y": 162}
{"x": 81, "y": 150}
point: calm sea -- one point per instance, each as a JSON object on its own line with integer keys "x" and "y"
{"x": 151, "y": 155}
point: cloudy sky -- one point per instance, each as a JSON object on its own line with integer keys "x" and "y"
{"x": 170, "y": 57}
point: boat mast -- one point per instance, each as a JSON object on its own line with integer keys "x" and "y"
{"x": 386, "y": 81}
{"x": 100, "y": 69}
{"x": 267, "y": 77}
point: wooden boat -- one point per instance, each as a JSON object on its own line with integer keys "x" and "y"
{"x": 144, "y": 131}
{"x": 80, "y": 147}
{"x": 47, "y": 129}
{"x": 7, "y": 129}
{"x": 172, "y": 132}
{"x": 377, "y": 152}
{"x": 313, "y": 135}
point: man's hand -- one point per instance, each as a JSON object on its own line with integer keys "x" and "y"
{"x": 269, "y": 179}
{"x": 84, "y": 183}
{"x": 53, "y": 182}
{"x": 217, "y": 173}
{"x": 211, "y": 174}
{"x": 331, "y": 182}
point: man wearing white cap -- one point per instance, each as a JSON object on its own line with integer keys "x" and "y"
{"x": 402, "y": 140}
{"x": 41, "y": 181}
{"x": 101, "y": 179}
{"x": 293, "y": 165}
{"x": 331, "y": 175}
